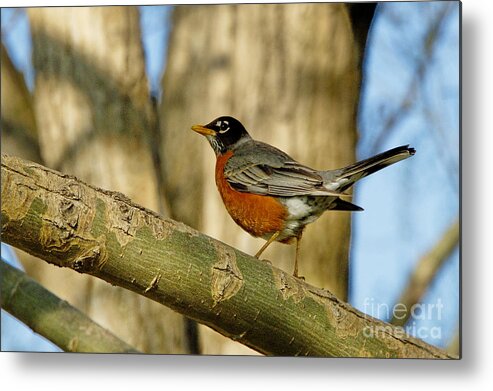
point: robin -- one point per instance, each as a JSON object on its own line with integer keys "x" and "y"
{"x": 272, "y": 196}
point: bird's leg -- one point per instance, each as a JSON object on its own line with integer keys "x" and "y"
{"x": 298, "y": 240}
{"x": 266, "y": 244}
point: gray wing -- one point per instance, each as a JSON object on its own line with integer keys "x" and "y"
{"x": 262, "y": 169}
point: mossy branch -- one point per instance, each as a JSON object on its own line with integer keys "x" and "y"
{"x": 52, "y": 317}
{"x": 71, "y": 224}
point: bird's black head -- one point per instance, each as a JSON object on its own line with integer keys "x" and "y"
{"x": 223, "y": 133}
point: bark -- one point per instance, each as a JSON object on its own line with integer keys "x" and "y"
{"x": 291, "y": 74}
{"x": 53, "y": 318}
{"x": 361, "y": 15}
{"x": 94, "y": 113}
{"x": 70, "y": 224}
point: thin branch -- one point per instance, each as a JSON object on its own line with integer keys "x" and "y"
{"x": 408, "y": 102}
{"x": 425, "y": 272}
{"x": 71, "y": 224}
{"x": 53, "y": 318}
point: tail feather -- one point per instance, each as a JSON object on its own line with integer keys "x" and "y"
{"x": 348, "y": 175}
{"x": 340, "y": 204}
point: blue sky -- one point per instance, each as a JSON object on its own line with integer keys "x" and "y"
{"x": 407, "y": 206}
{"x": 412, "y": 203}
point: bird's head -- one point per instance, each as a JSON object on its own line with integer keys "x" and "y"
{"x": 223, "y": 133}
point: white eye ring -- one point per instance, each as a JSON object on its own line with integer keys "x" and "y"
{"x": 224, "y": 130}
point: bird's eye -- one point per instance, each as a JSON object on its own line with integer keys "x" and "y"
{"x": 223, "y": 126}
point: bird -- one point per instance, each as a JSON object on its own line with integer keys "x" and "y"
{"x": 271, "y": 195}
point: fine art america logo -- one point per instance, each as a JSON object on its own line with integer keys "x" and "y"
{"x": 417, "y": 312}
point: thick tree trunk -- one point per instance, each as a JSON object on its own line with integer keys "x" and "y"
{"x": 19, "y": 135}
{"x": 291, "y": 74}
{"x": 92, "y": 104}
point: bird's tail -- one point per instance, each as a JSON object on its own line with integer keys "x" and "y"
{"x": 348, "y": 175}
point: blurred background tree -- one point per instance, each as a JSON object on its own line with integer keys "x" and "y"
{"x": 295, "y": 75}
{"x": 94, "y": 116}
{"x": 291, "y": 73}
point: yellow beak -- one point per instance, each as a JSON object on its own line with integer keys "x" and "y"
{"x": 203, "y": 130}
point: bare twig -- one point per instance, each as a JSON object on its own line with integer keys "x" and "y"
{"x": 425, "y": 272}
{"x": 391, "y": 122}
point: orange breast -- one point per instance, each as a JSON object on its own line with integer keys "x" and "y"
{"x": 256, "y": 214}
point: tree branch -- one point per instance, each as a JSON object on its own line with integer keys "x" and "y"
{"x": 71, "y": 224}
{"x": 425, "y": 272}
{"x": 53, "y": 318}
{"x": 422, "y": 66}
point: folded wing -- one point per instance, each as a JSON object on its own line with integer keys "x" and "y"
{"x": 265, "y": 170}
